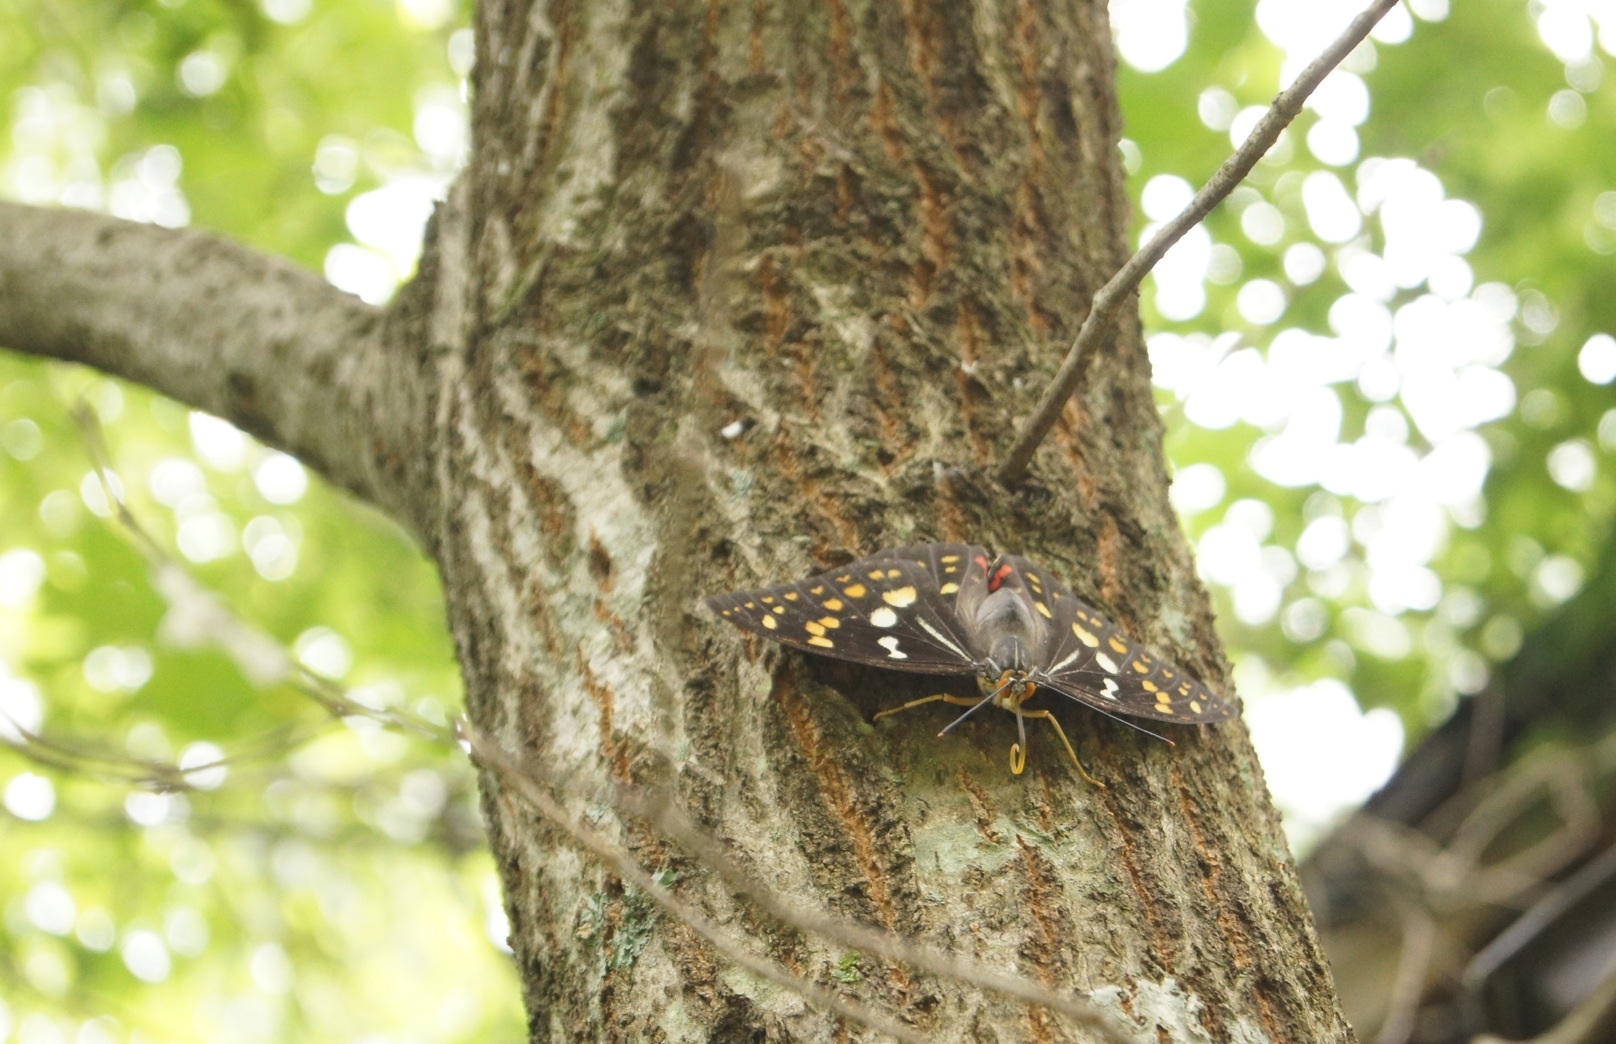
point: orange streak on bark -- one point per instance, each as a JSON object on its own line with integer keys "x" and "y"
{"x": 1235, "y": 932}
{"x": 970, "y": 342}
{"x": 982, "y": 808}
{"x": 1163, "y": 943}
{"x": 840, "y": 793}
{"x": 934, "y": 245}
{"x": 1042, "y": 899}
{"x": 1112, "y": 556}
{"x": 605, "y": 702}
{"x": 883, "y": 122}
{"x": 754, "y": 39}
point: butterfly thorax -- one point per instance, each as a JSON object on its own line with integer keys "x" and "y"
{"x": 1006, "y": 628}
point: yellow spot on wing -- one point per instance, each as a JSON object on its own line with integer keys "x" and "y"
{"x": 900, "y": 596}
{"x": 768, "y": 621}
{"x": 766, "y": 599}
{"x": 1085, "y": 637}
{"x": 949, "y": 558}
{"x": 830, "y": 621}
{"x": 1042, "y": 608}
{"x": 1164, "y": 708}
{"x": 1118, "y": 644}
{"x": 1195, "y": 706}
{"x": 855, "y": 591}
{"x": 780, "y": 609}
{"x": 817, "y": 589}
{"x": 823, "y": 643}
{"x": 948, "y": 588}
{"x": 792, "y": 596}
{"x": 817, "y": 630}
{"x": 833, "y": 604}
{"x": 1149, "y": 686}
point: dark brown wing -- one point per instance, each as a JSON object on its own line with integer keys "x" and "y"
{"x": 894, "y": 609}
{"x": 1088, "y": 658}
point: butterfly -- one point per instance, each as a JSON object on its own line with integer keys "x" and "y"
{"x": 952, "y": 609}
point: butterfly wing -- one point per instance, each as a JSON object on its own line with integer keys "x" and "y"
{"x": 895, "y": 609}
{"x": 1089, "y": 658}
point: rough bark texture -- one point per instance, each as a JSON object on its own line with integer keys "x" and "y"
{"x": 731, "y": 293}
{"x": 861, "y": 233}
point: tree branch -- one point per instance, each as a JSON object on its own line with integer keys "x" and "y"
{"x": 252, "y": 338}
{"x": 1110, "y": 298}
{"x": 623, "y": 864}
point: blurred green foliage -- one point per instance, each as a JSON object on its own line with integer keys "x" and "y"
{"x": 1477, "y": 97}
{"x": 333, "y": 885}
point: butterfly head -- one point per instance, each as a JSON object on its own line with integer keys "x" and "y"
{"x": 1009, "y": 688}
{"x": 1005, "y": 669}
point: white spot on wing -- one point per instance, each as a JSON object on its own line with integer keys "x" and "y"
{"x": 949, "y": 643}
{"x": 890, "y": 644}
{"x": 883, "y": 617}
{"x": 1110, "y": 690}
{"x": 1106, "y": 662}
{"x": 1066, "y": 662}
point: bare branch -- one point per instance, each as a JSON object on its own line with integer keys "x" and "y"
{"x": 624, "y": 865}
{"x": 270, "y": 347}
{"x": 259, "y": 654}
{"x": 1111, "y": 297}
{"x": 672, "y": 822}
{"x": 1413, "y": 970}
{"x": 1590, "y": 1022}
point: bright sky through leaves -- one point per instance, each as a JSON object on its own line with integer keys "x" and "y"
{"x": 1382, "y": 414}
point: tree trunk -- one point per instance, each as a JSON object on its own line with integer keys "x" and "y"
{"x": 730, "y": 294}
{"x": 859, "y": 234}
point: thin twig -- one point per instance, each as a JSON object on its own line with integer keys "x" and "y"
{"x": 1547, "y": 911}
{"x": 83, "y": 759}
{"x": 673, "y": 823}
{"x": 242, "y": 642}
{"x": 1110, "y": 298}
{"x": 626, "y": 867}
{"x": 655, "y": 808}
{"x": 1413, "y": 966}
{"x": 1593, "y": 1019}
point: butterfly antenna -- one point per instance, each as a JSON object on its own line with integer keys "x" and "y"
{"x": 978, "y": 705}
{"x": 1102, "y": 710}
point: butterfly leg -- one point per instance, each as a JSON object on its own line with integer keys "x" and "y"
{"x": 944, "y": 697}
{"x": 1068, "y": 744}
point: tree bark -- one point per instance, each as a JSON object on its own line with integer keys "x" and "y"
{"x": 729, "y": 294}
